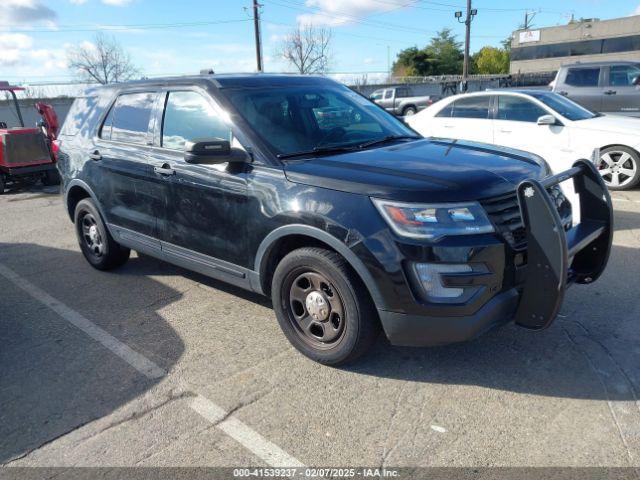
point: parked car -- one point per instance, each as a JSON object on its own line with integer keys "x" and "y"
{"x": 27, "y": 153}
{"x": 348, "y": 228}
{"x": 606, "y": 87}
{"x": 402, "y": 101}
{"x": 542, "y": 122}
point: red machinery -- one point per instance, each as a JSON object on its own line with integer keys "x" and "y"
{"x": 28, "y": 152}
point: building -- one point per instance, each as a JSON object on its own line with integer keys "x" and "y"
{"x": 593, "y": 40}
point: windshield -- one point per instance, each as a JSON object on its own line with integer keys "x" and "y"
{"x": 304, "y": 119}
{"x": 565, "y": 107}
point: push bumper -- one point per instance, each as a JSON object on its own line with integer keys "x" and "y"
{"x": 555, "y": 259}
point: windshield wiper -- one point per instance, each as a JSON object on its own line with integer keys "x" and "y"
{"x": 347, "y": 148}
{"x": 319, "y": 151}
{"x": 387, "y": 139}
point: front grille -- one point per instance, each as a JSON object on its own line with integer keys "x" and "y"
{"x": 504, "y": 212}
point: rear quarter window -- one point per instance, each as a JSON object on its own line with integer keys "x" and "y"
{"x": 80, "y": 111}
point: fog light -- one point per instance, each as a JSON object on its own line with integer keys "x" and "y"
{"x": 430, "y": 278}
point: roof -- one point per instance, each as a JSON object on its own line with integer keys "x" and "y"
{"x": 228, "y": 80}
{"x": 602, "y": 63}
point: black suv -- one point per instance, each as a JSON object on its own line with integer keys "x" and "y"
{"x": 301, "y": 189}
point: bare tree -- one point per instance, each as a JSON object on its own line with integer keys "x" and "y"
{"x": 104, "y": 61}
{"x": 307, "y": 48}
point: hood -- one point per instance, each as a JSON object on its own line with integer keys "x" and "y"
{"x": 618, "y": 124}
{"x": 430, "y": 170}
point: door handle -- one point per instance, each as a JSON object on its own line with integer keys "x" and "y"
{"x": 502, "y": 130}
{"x": 165, "y": 169}
{"x": 564, "y": 94}
{"x": 95, "y": 155}
{"x": 449, "y": 126}
{"x": 610, "y": 92}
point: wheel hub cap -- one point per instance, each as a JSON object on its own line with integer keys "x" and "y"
{"x": 317, "y": 306}
{"x": 93, "y": 233}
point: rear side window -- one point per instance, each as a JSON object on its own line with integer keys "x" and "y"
{"x": 471, "y": 107}
{"x": 189, "y": 116}
{"x": 128, "y": 119}
{"x": 402, "y": 93}
{"x": 518, "y": 109}
{"x": 583, "y": 77}
{"x": 78, "y": 115}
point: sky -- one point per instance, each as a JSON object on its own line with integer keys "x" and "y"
{"x": 185, "y": 36}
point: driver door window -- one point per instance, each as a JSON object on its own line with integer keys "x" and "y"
{"x": 516, "y": 126}
{"x": 189, "y": 116}
{"x": 516, "y": 109}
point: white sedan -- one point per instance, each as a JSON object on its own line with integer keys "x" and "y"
{"x": 541, "y": 122}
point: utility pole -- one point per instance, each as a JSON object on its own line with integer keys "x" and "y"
{"x": 528, "y": 19}
{"x": 471, "y": 13}
{"x": 256, "y": 25}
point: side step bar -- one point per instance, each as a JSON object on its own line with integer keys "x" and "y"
{"x": 557, "y": 258}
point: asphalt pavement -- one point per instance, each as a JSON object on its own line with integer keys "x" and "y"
{"x": 155, "y": 366}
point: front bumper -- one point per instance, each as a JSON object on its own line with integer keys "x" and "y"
{"x": 555, "y": 259}
{"x": 420, "y": 331}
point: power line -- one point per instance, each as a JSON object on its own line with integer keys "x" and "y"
{"x": 124, "y": 27}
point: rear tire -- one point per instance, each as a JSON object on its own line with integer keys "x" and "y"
{"x": 619, "y": 167}
{"x": 96, "y": 243}
{"x": 315, "y": 281}
{"x": 409, "y": 111}
{"x": 51, "y": 177}
{"x": 1, "y": 183}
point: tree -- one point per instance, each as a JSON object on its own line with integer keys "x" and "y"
{"x": 448, "y": 53}
{"x": 443, "y": 56}
{"x": 492, "y": 60}
{"x": 103, "y": 61}
{"x": 308, "y": 49}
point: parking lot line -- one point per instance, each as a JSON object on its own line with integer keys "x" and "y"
{"x": 141, "y": 363}
{"x": 273, "y": 455}
{"x": 270, "y": 453}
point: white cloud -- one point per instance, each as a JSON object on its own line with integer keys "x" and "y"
{"x": 78, "y": 2}
{"x": 19, "y": 56}
{"x": 636, "y": 11}
{"x": 14, "y": 48}
{"x": 25, "y": 11}
{"x": 343, "y": 12}
{"x": 117, "y": 3}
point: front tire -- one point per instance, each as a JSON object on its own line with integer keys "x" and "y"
{"x": 322, "y": 306}
{"x": 96, "y": 243}
{"x": 619, "y": 167}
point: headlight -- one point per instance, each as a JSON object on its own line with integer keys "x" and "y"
{"x": 434, "y": 221}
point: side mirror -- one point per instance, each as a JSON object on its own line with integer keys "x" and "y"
{"x": 636, "y": 81}
{"x": 213, "y": 151}
{"x": 547, "y": 120}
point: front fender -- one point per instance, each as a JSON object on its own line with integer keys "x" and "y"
{"x": 270, "y": 241}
